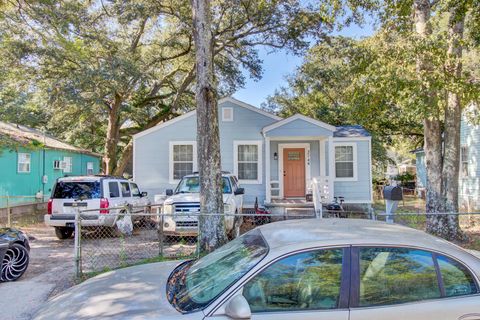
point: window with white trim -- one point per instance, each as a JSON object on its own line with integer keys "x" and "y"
{"x": 227, "y": 114}
{"x": 248, "y": 161}
{"x": 68, "y": 164}
{"x": 464, "y": 161}
{"x": 183, "y": 157}
{"x": 345, "y": 162}
{"x": 24, "y": 160}
{"x": 89, "y": 168}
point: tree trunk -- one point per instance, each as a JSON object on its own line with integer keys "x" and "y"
{"x": 453, "y": 110}
{"x": 432, "y": 124}
{"x": 113, "y": 134}
{"x": 212, "y": 227}
{"x": 122, "y": 164}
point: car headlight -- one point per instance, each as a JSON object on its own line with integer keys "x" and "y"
{"x": 227, "y": 208}
{"x": 167, "y": 209}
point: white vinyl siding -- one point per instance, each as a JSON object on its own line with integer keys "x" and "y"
{"x": 24, "y": 160}
{"x": 248, "y": 161}
{"x": 346, "y": 162}
{"x": 68, "y": 164}
{"x": 183, "y": 159}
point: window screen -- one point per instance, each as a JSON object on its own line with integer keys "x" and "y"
{"x": 24, "y": 160}
{"x": 182, "y": 160}
{"x": 247, "y": 162}
{"x": 344, "y": 162}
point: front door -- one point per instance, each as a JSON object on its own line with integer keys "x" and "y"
{"x": 294, "y": 172}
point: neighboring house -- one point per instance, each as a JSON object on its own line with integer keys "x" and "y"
{"x": 31, "y": 163}
{"x": 274, "y": 158}
{"x": 469, "y": 176}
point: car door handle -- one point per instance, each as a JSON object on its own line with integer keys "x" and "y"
{"x": 470, "y": 316}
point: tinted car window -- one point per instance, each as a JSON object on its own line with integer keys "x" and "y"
{"x": 396, "y": 275}
{"x": 114, "y": 190}
{"x": 77, "y": 190}
{"x": 135, "y": 190}
{"x": 309, "y": 280}
{"x": 125, "y": 189}
{"x": 457, "y": 280}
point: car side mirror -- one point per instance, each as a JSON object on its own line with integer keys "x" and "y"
{"x": 169, "y": 192}
{"x": 144, "y": 194}
{"x": 238, "y": 308}
{"x": 239, "y": 191}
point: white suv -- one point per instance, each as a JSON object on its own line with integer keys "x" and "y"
{"x": 186, "y": 199}
{"x": 90, "y": 192}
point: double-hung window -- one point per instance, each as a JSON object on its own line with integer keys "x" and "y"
{"x": 464, "y": 161}
{"x": 183, "y": 159}
{"x": 248, "y": 161}
{"x": 68, "y": 164}
{"x": 24, "y": 160}
{"x": 346, "y": 162}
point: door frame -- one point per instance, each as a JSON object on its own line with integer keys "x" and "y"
{"x": 306, "y": 147}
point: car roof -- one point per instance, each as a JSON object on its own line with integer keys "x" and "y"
{"x": 348, "y": 232}
{"x": 90, "y": 178}
{"x": 224, "y": 174}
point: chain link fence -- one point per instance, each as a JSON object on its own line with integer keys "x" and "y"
{"x": 107, "y": 239}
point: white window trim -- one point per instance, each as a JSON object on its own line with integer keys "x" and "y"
{"x": 171, "y": 180}
{"x": 355, "y": 162}
{"x": 29, "y": 162}
{"x": 68, "y": 165}
{"x": 258, "y": 143}
{"x": 308, "y": 174}
{"x": 224, "y": 119}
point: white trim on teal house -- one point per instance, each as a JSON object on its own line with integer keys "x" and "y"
{"x": 248, "y": 125}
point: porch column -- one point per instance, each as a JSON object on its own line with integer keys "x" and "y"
{"x": 323, "y": 158}
{"x": 331, "y": 167}
{"x": 268, "y": 195}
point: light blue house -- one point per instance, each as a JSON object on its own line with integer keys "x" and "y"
{"x": 275, "y": 159}
{"x": 469, "y": 176}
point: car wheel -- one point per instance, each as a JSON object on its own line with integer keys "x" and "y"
{"x": 14, "y": 263}
{"x": 63, "y": 233}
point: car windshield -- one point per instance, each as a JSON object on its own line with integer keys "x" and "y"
{"x": 193, "y": 286}
{"x": 192, "y": 185}
{"x": 77, "y": 190}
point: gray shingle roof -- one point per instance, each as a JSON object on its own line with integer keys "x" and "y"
{"x": 351, "y": 131}
{"x": 23, "y": 134}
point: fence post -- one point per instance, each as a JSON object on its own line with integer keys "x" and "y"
{"x": 77, "y": 246}
{"x": 9, "y": 218}
{"x": 160, "y": 232}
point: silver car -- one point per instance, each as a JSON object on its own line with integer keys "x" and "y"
{"x": 300, "y": 269}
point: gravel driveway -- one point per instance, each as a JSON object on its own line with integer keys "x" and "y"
{"x": 50, "y": 272}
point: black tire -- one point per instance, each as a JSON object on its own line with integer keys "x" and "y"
{"x": 63, "y": 233}
{"x": 14, "y": 263}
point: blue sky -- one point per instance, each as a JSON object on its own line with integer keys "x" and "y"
{"x": 277, "y": 65}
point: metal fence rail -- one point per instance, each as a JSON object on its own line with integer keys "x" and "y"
{"x": 107, "y": 239}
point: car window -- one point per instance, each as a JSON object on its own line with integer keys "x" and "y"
{"x": 135, "y": 190}
{"x": 396, "y": 275}
{"x": 77, "y": 190}
{"x": 114, "y": 190}
{"x": 125, "y": 189}
{"x": 192, "y": 185}
{"x": 309, "y": 280}
{"x": 457, "y": 280}
{"x": 234, "y": 184}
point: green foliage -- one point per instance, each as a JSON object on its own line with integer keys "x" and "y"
{"x": 404, "y": 177}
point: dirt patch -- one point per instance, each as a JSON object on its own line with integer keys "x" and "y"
{"x": 50, "y": 272}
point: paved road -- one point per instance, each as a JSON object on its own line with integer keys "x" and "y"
{"x": 50, "y": 272}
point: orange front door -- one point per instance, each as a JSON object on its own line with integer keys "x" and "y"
{"x": 294, "y": 172}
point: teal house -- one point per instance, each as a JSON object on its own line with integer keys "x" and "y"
{"x": 31, "y": 161}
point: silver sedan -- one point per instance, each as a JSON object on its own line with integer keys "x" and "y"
{"x": 300, "y": 269}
